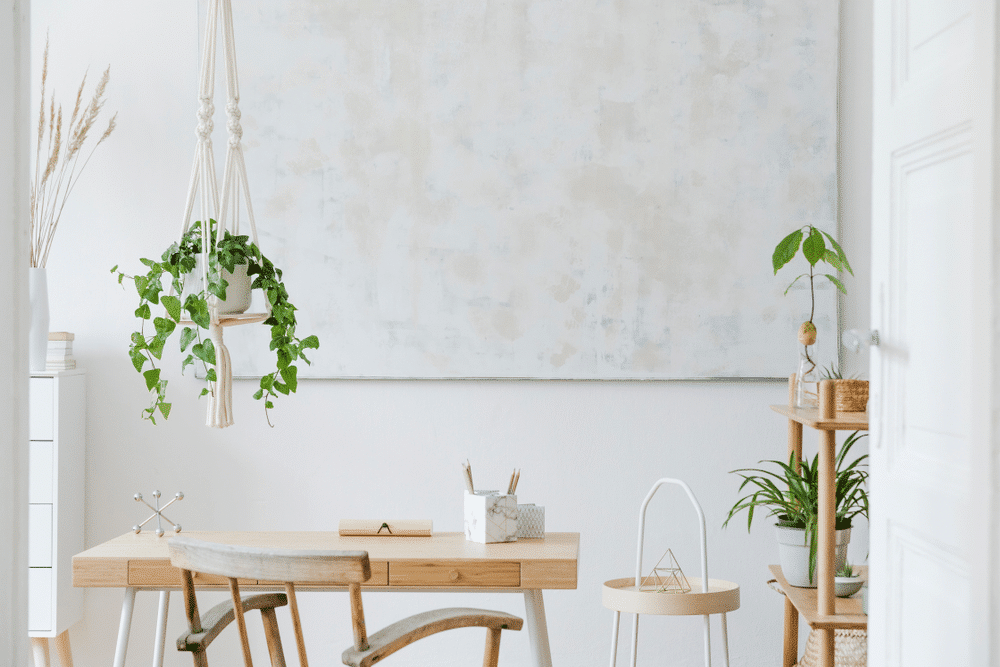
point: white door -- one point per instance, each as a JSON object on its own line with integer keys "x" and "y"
{"x": 932, "y": 475}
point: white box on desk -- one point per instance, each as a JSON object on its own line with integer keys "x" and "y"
{"x": 490, "y": 517}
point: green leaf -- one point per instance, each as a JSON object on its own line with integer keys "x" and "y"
{"x": 148, "y": 262}
{"x": 210, "y": 376}
{"x": 290, "y": 375}
{"x": 143, "y": 312}
{"x": 138, "y": 341}
{"x": 281, "y": 388}
{"x": 835, "y": 281}
{"x": 840, "y": 253}
{"x": 804, "y": 275}
{"x": 140, "y": 284}
{"x": 138, "y": 359}
{"x": 833, "y": 259}
{"x": 152, "y": 377}
{"x": 205, "y": 351}
{"x": 156, "y": 346}
{"x": 188, "y": 334}
{"x": 785, "y": 251}
{"x": 173, "y": 306}
{"x": 258, "y": 395}
{"x": 310, "y": 343}
{"x": 268, "y": 405}
{"x": 266, "y": 382}
{"x": 187, "y": 362}
{"x": 165, "y": 410}
{"x": 164, "y": 327}
{"x": 813, "y": 247}
{"x": 114, "y": 268}
{"x": 204, "y": 392}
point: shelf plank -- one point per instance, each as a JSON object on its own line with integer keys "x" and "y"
{"x": 841, "y": 421}
{"x": 848, "y": 610}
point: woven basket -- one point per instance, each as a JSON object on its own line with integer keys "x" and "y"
{"x": 850, "y": 649}
{"x": 850, "y": 395}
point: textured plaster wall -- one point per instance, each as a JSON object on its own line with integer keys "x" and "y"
{"x": 589, "y": 451}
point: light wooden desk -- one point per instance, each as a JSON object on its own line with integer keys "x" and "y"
{"x": 442, "y": 562}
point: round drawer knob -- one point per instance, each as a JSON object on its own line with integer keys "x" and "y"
{"x": 453, "y": 575}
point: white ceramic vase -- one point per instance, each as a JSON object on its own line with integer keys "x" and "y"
{"x": 793, "y": 554}
{"x": 38, "y": 329}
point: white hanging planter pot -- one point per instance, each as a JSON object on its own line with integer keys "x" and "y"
{"x": 793, "y": 554}
{"x": 237, "y": 292}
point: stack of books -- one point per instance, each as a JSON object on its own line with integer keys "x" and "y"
{"x": 59, "y": 356}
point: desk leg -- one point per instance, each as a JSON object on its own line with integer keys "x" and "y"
{"x": 538, "y": 632}
{"x": 40, "y": 651}
{"x": 614, "y": 638}
{"x": 63, "y": 649}
{"x": 128, "y": 604}
{"x": 161, "y": 629}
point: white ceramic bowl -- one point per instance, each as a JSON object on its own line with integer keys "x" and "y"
{"x": 846, "y": 586}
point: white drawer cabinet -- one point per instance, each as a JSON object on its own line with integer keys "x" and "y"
{"x": 56, "y": 410}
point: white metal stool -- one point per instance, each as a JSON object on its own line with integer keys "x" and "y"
{"x": 627, "y": 595}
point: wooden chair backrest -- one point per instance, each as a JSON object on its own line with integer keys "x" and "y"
{"x": 284, "y": 565}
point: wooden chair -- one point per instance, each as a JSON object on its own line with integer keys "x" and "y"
{"x": 317, "y": 567}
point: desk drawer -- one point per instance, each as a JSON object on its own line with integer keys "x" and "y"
{"x": 158, "y": 573}
{"x": 380, "y": 577}
{"x": 467, "y": 574}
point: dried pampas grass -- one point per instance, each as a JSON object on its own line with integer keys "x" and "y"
{"x": 62, "y": 168}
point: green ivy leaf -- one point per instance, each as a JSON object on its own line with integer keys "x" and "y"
{"x": 290, "y": 375}
{"x": 143, "y": 312}
{"x": 138, "y": 342}
{"x": 786, "y": 249}
{"x": 165, "y": 410}
{"x": 281, "y": 388}
{"x": 210, "y": 375}
{"x": 138, "y": 359}
{"x": 156, "y": 346}
{"x": 187, "y": 362}
{"x": 173, "y": 306}
{"x": 813, "y": 247}
{"x": 205, "y": 351}
{"x": 204, "y": 392}
{"x": 258, "y": 394}
{"x": 152, "y": 377}
{"x": 188, "y": 334}
{"x": 268, "y": 405}
{"x": 310, "y": 343}
{"x": 267, "y": 381}
{"x": 164, "y": 327}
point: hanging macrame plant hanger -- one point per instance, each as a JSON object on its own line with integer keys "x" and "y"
{"x": 234, "y": 180}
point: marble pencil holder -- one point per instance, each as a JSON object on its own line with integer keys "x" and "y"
{"x": 530, "y": 521}
{"x": 490, "y": 517}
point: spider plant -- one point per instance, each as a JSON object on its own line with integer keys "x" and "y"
{"x": 792, "y": 493}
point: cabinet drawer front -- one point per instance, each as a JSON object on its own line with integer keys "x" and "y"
{"x": 471, "y": 574}
{"x": 41, "y": 402}
{"x": 39, "y": 599}
{"x": 39, "y": 535}
{"x": 158, "y": 573}
{"x": 40, "y": 472}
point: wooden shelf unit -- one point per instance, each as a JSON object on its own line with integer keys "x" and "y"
{"x": 819, "y": 606}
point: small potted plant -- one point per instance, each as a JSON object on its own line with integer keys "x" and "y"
{"x": 234, "y": 259}
{"x": 791, "y": 494}
{"x": 817, "y": 246}
{"x": 847, "y": 582}
{"x": 850, "y": 394}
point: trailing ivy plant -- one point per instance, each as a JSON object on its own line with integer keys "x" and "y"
{"x": 163, "y": 285}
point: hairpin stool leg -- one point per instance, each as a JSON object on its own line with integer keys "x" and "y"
{"x": 161, "y": 629}
{"x": 614, "y": 638}
{"x": 725, "y": 640}
{"x": 708, "y": 640}
{"x": 124, "y": 626}
{"x": 635, "y": 639}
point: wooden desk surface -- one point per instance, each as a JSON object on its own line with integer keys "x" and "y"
{"x": 444, "y": 561}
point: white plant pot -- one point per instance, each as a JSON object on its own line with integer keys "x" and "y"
{"x": 793, "y": 554}
{"x": 237, "y": 293}
{"x": 38, "y": 327}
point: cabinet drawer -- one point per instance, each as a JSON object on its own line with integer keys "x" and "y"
{"x": 40, "y": 472}
{"x": 39, "y": 535}
{"x": 158, "y": 573}
{"x": 465, "y": 574}
{"x": 41, "y": 402}
{"x": 39, "y": 599}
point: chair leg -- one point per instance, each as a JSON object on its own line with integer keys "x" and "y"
{"x": 492, "y": 654}
{"x": 270, "y": 620}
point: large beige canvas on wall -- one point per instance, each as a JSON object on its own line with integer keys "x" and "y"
{"x": 539, "y": 189}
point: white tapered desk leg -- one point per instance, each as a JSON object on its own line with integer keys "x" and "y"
{"x": 614, "y": 638}
{"x": 538, "y": 632}
{"x": 708, "y": 641}
{"x": 725, "y": 640}
{"x": 161, "y": 629}
{"x": 40, "y": 651}
{"x": 124, "y": 626}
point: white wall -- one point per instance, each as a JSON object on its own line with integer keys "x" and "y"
{"x": 342, "y": 449}
{"x": 14, "y": 51}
